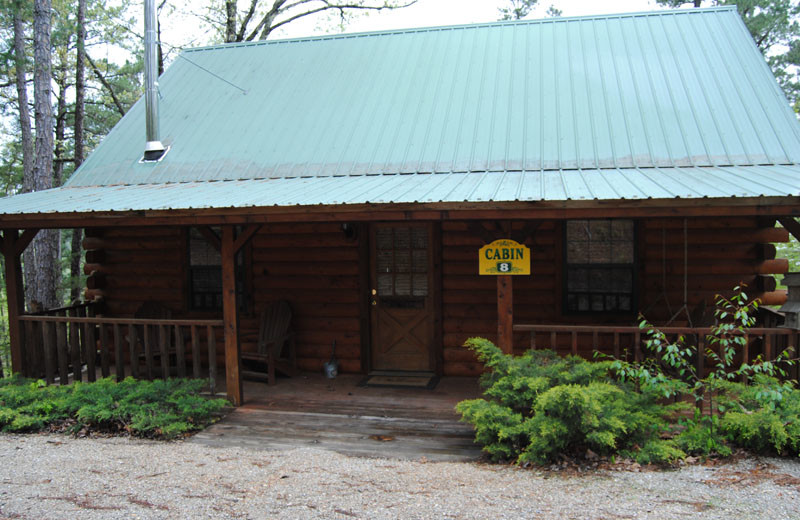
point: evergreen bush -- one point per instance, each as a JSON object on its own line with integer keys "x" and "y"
{"x": 154, "y": 409}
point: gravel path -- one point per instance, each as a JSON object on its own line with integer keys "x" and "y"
{"x": 56, "y": 476}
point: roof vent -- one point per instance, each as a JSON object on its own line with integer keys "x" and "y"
{"x": 153, "y": 149}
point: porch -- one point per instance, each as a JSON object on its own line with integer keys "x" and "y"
{"x": 310, "y": 411}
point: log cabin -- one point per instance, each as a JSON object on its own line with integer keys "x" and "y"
{"x": 643, "y": 158}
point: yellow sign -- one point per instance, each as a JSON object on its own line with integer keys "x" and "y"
{"x": 504, "y": 257}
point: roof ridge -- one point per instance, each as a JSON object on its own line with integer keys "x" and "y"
{"x": 437, "y": 28}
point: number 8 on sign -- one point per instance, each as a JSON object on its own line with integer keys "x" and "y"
{"x": 504, "y": 267}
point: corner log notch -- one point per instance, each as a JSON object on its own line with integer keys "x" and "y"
{"x": 230, "y": 244}
{"x": 12, "y": 245}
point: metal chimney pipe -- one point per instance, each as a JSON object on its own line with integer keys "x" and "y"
{"x": 153, "y": 149}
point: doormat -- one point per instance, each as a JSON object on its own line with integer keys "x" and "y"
{"x": 384, "y": 381}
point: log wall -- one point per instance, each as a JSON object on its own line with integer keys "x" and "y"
{"x": 315, "y": 266}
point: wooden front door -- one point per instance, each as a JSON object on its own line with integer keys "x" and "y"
{"x": 401, "y": 303}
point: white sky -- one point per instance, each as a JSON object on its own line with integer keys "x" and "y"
{"x": 178, "y": 30}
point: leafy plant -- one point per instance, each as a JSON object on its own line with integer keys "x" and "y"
{"x": 159, "y": 409}
{"x": 539, "y": 405}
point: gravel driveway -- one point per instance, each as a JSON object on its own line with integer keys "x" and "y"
{"x": 56, "y": 476}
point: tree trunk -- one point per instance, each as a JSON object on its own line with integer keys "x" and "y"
{"x": 61, "y": 123}
{"x": 26, "y": 136}
{"x": 46, "y": 242}
{"x": 230, "y": 21}
{"x": 80, "y": 96}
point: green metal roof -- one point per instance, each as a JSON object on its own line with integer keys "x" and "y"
{"x": 651, "y": 105}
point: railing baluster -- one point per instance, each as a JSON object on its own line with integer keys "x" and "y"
{"x": 163, "y": 341}
{"x": 104, "y": 348}
{"x": 616, "y": 345}
{"x": 595, "y": 346}
{"x": 75, "y": 348}
{"x": 574, "y": 347}
{"x": 90, "y": 350}
{"x": 180, "y": 352}
{"x": 637, "y": 345}
{"x": 195, "y": 352}
{"x": 553, "y": 342}
{"x": 533, "y": 340}
{"x": 767, "y": 347}
{"x": 133, "y": 345}
{"x": 212, "y": 360}
{"x": 49, "y": 361}
{"x": 119, "y": 360}
{"x": 148, "y": 351}
{"x": 62, "y": 348}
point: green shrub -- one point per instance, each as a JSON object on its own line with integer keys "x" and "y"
{"x": 659, "y": 451}
{"x": 159, "y": 409}
{"x": 540, "y": 405}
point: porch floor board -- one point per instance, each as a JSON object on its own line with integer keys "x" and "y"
{"x": 311, "y": 411}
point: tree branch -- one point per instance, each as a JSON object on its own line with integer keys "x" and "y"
{"x": 106, "y": 84}
{"x": 328, "y": 6}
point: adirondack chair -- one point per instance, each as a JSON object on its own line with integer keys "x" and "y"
{"x": 275, "y": 347}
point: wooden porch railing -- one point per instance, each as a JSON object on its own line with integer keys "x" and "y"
{"x": 768, "y": 342}
{"x": 60, "y": 342}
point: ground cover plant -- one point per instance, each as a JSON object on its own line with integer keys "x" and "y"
{"x": 540, "y": 407}
{"x": 153, "y": 409}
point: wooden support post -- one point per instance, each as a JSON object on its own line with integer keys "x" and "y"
{"x": 230, "y": 317}
{"x": 505, "y": 314}
{"x": 12, "y": 246}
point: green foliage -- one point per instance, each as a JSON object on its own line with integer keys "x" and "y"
{"x": 160, "y": 409}
{"x": 540, "y": 405}
{"x": 661, "y": 452}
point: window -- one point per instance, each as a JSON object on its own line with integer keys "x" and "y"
{"x": 599, "y": 266}
{"x": 205, "y": 274}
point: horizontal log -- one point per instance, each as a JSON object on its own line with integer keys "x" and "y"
{"x": 172, "y": 255}
{"x": 303, "y": 296}
{"x": 343, "y": 351}
{"x": 773, "y": 298}
{"x": 463, "y": 369}
{"x": 95, "y": 256}
{"x": 301, "y": 240}
{"x": 700, "y": 223}
{"x": 131, "y": 244}
{"x": 695, "y": 253}
{"x": 459, "y": 355}
{"x": 346, "y": 366}
{"x": 321, "y": 267}
{"x": 170, "y": 296}
{"x": 304, "y": 254}
{"x": 135, "y": 269}
{"x": 310, "y": 282}
{"x": 96, "y": 281}
{"x": 326, "y": 337}
{"x": 776, "y": 266}
{"x": 718, "y": 236}
{"x": 470, "y": 240}
{"x": 481, "y": 295}
{"x": 307, "y": 228}
{"x": 121, "y": 282}
{"x": 492, "y": 226}
{"x": 521, "y": 283}
{"x": 140, "y": 232}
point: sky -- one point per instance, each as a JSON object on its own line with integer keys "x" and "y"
{"x": 425, "y": 13}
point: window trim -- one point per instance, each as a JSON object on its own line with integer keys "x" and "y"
{"x": 633, "y": 266}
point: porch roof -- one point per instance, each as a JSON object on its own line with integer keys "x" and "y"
{"x": 453, "y": 188}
